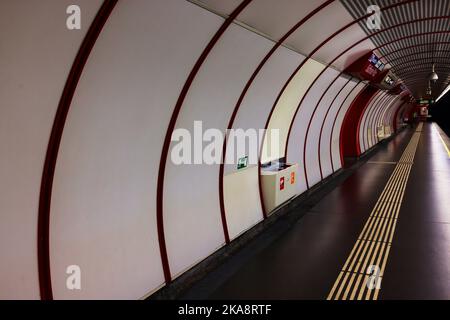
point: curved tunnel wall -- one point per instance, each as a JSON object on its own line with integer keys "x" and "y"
{"x": 349, "y": 131}
{"x": 31, "y": 82}
{"x": 103, "y": 214}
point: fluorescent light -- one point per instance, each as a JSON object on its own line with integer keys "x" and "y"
{"x": 443, "y": 93}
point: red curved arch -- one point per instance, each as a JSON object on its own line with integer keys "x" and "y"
{"x": 367, "y": 117}
{"x": 323, "y": 124}
{"x": 350, "y": 147}
{"x": 376, "y": 113}
{"x": 171, "y": 127}
{"x": 381, "y": 31}
{"x": 388, "y": 114}
{"x": 384, "y": 109}
{"x": 342, "y": 53}
{"x": 337, "y": 114}
{"x": 396, "y": 114}
{"x": 308, "y": 57}
{"x": 48, "y": 173}
{"x": 361, "y": 117}
{"x": 309, "y": 126}
{"x": 243, "y": 94}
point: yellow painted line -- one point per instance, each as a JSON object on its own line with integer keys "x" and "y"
{"x": 383, "y": 267}
{"x": 363, "y": 287}
{"x": 344, "y": 297}
{"x": 374, "y": 241}
{"x": 330, "y": 295}
{"x": 341, "y": 286}
{"x": 442, "y": 140}
{"x": 355, "y": 289}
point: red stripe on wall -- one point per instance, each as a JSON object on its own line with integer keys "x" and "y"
{"x": 244, "y": 92}
{"x": 349, "y": 130}
{"x": 45, "y": 283}
{"x": 171, "y": 127}
{"x": 323, "y": 124}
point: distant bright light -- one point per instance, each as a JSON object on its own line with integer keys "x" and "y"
{"x": 443, "y": 93}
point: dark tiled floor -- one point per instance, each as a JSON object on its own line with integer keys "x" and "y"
{"x": 419, "y": 263}
{"x": 304, "y": 262}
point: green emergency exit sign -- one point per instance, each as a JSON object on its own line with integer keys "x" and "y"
{"x": 242, "y": 163}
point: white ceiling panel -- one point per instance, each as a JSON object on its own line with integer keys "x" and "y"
{"x": 340, "y": 43}
{"x": 224, "y": 7}
{"x": 316, "y": 30}
{"x": 276, "y": 17}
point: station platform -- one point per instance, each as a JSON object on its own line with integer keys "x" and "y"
{"x": 383, "y": 233}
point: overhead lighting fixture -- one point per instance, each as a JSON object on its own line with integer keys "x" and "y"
{"x": 443, "y": 93}
{"x": 433, "y": 76}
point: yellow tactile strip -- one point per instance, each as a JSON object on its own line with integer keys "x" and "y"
{"x": 362, "y": 273}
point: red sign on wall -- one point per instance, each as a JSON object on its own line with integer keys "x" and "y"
{"x": 292, "y": 177}
{"x": 282, "y": 183}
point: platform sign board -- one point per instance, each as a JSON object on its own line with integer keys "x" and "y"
{"x": 367, "y": 67}
{"x": 242, "y": 163}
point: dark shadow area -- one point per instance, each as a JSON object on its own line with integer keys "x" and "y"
{"x": 440, "y": 113}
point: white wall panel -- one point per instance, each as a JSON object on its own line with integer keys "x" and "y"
{"x": 37, "y": 52}
{"x": 103, "y": 215}
{"x": 312, "y": 143}
{"x": 287, "y": 105}
{"x": 241, "y": 195}
{"x": 372, "y": 135}
{"x": 297, "y": 137}
{"x": 325, "y": 155}
{"x": 335, "y": 147}
{"x": 388, "y": 106}
{"x": 192, "y": 218}
{"x": 388, "y": 117}
{"x": 384, "y": 108}
{"x": 377, "y": 110}
{"x": 242, "y": 211}
{"x": 363, "y": 128}
{"x": 370, "y": 130}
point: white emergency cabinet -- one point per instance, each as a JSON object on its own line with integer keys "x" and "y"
{"x": 278, "y": 184}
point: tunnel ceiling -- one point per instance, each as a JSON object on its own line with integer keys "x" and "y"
{"x": 412, "y": 37}
{"x": 413, "y": 34}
